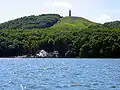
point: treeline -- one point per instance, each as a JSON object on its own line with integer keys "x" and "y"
{"x": 30, "y": 22}
{"x": 70, "y": 43}
{"x": 114, "y": 24}
{"x": 107, "y": 25}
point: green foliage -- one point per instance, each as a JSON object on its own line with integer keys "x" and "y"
{"x": 71, "y": 37}
{"x": 30, "y": 22}
{"x": 115, "y": 24}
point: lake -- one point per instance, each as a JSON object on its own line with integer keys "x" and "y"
{"x": 59, "y": 74}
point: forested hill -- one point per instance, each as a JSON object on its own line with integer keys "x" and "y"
{"x": 71, "y": 36}
{"x": 55, "y": 21}
{"x": 114, "y": 24}
{"x": 30, "y": 22}
{"x": 47, "y": 20}
{"x": 107, "y": 25}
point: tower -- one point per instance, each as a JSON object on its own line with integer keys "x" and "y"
{"x": 69, "y": 13}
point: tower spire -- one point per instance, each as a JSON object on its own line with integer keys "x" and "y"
{"x": 69, "y": 12}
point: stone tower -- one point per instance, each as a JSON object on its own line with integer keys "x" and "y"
{"x": 69, "y": 13}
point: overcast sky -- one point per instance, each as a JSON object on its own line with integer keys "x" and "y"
{"x": 96, "y": 10}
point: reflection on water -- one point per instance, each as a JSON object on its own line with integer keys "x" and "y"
{"x": 59, "y": 74}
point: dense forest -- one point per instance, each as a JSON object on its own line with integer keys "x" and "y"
{"x": 29, "y": 22}
{"x": 71, "y": 36}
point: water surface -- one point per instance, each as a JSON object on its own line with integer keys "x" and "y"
{"x": 59, "y": 74}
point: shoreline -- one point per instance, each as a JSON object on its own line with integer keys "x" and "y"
{"x": 59, "y": 58}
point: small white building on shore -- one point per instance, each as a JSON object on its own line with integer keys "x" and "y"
{"x": 42, "y": 53}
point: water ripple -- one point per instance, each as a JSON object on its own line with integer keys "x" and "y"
{"x": 59, "y": 74}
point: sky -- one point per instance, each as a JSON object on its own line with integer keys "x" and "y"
{"x": 99, "y": 11}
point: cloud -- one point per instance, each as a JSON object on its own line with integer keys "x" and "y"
{"x": 63, "y": 4}
{"x": 104, "y": 18}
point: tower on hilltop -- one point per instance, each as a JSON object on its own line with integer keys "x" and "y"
{"x": 69, "y": 13}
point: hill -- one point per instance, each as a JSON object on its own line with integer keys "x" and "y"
{"x": 55, "y": 21}
{"x": 108, "y": 25}
{"x": 114, "y": 24}
{"x": 30, "y": 22}
{"x": 45, "y": 21}
{"x": 73, "y": 22}
{"x": 70, "y": 36}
